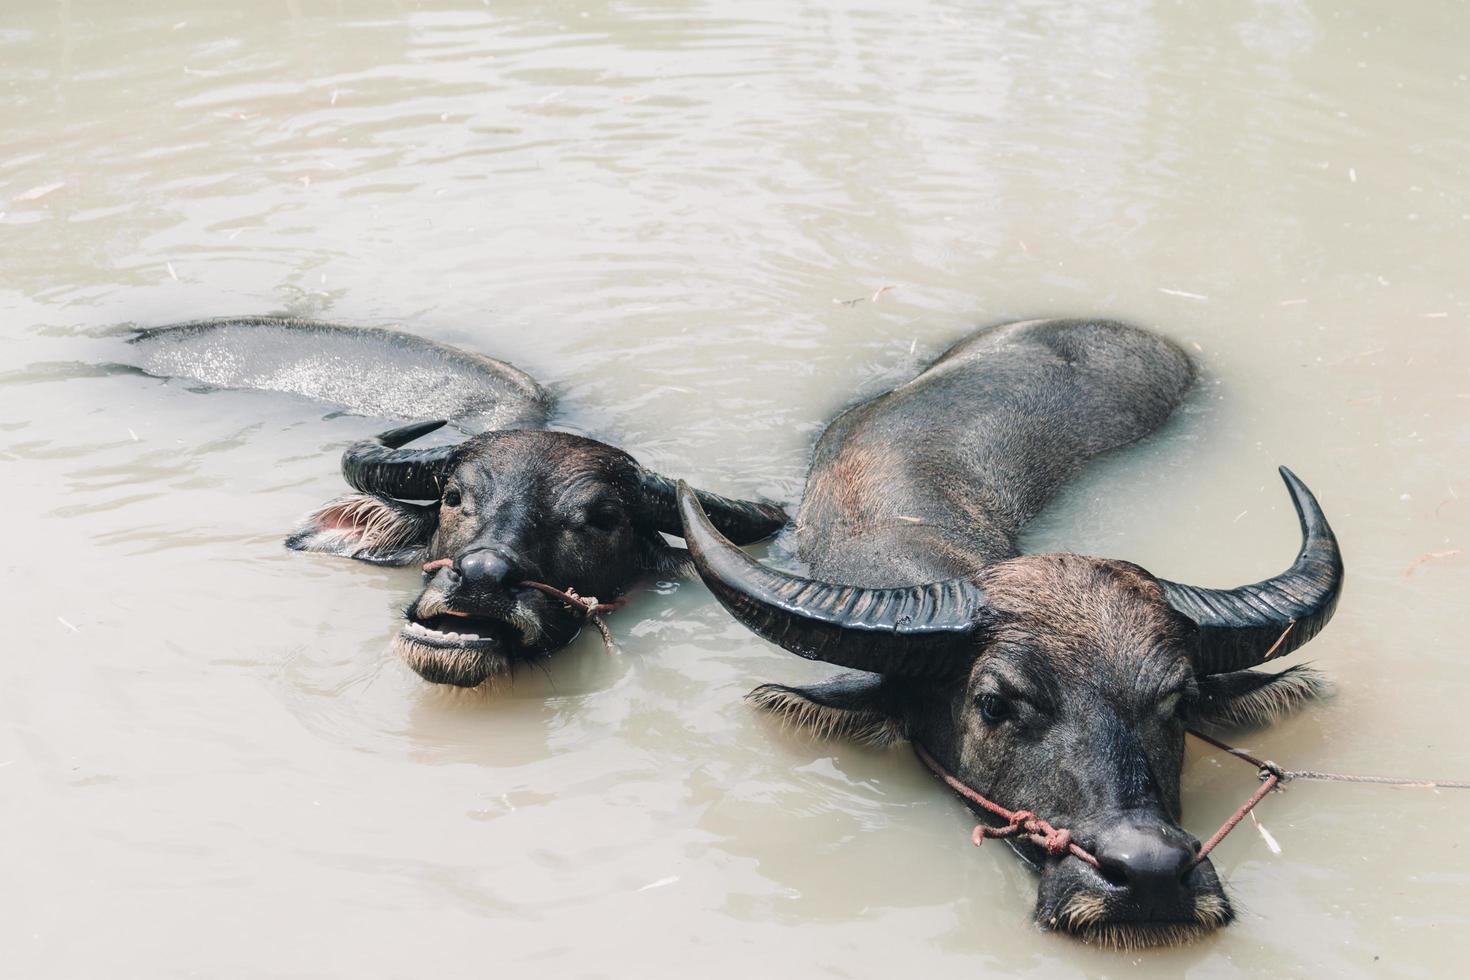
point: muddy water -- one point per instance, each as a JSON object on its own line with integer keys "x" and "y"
{"x": 686, "y": 219}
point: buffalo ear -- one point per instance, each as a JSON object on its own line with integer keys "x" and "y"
{"x": 1255, "y": 698}
{"x": 368, "y": 528}
{"x": 742, "y": 521}
{"x": 854, "y": 706}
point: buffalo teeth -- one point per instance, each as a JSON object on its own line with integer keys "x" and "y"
{"x": 414, "y": 626}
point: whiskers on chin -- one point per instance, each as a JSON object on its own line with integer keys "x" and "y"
{"x": 441, "y": 664}
{"x": 1086, "y": 916}
{"x": 526, "y": 621}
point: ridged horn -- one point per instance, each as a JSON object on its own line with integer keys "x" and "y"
{"x": 742, "y": 521}
{"x": 1245, "y": 626}
{"x": 379, "y": 466}
{"x": 920, "y": 630}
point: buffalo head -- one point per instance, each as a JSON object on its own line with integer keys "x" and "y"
{"x": 1058, "y": 684}
{"x": 496, "y": 511}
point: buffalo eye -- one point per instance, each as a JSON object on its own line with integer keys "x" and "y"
{"x": 994, "y": 709}
{"x": 451, "y": 498}
{"x": 604, "y": 518}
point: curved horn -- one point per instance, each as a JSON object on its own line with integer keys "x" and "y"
{"x": 1248, "y": 625}
{"x": 378, "y": 466}
{"x": 742, "y": 521}
{"x": 914, "y": 630}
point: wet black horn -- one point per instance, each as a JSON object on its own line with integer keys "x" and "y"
{"x": 379, "y": 466}
{"x": 921, "y": 630}
{"x": 742, "y": 521}
{"x": 1246, "y": 626}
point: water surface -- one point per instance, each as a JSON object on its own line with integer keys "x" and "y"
{"x": 707, "y": 227}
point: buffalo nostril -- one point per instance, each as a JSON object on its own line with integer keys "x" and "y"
{"x": 1149, "y": 864}
{"x": 1113, "y": 870}
{"x": 449, "y": 577}
{"x": 484, "y": 569}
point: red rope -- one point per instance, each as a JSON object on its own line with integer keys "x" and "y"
{"x": 1266, "y": 786}
{"x": 1272, "y": 776}
{"x": 1018, "y": 823}
{"x": 1024, "y": 823}
{"x": 588, "y": 604}
{"x": 1056, "y": 842}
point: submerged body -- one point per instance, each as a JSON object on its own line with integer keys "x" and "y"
{"x": 514, "y": 504}
{"x": 935, "y": 478}
{"x": 1059, "y": 684}
{"x": 371, "y": 370}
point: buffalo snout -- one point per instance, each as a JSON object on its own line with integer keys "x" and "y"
{"x": 474, "y": 618}
{"x": 1146, "y": 890}
{"x": 486, "y": 569}
{"x": 1150, "y": 862}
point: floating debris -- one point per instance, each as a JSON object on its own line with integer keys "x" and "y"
{"x": 36, "y": 193}
{"x": 660, "y": 883}
{"x": 1429, "y": 556}
{"x": 1266, "y": 835}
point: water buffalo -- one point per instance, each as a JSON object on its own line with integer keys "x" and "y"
{"x": 1056, "y": 683}
{"x": 514, "y": 504}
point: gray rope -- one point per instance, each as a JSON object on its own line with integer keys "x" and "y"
{"x": 1340, "y": 777}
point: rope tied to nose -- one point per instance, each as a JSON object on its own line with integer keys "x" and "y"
{"x": 1018, "y": 823}
{"x": 587, "y": 603}
{"x": 591, "y": 609}
{"x": 1024, "y": 822}
{"x": 1057, "y": 843}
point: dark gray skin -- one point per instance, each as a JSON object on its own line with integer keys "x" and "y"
{"x": 368, "y": 370}
{"x": 512, "y": 507}
{"x": 1060, "y": 684}
{"x": 515, "y": 504}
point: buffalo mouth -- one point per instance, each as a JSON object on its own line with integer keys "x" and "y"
{"x": 449, "y": 631}
{"x": 457, "y": 649}
{"x": 1075, "y": 900}
{"x": 449, "y": 638}
{"x": 1091, "y": 918}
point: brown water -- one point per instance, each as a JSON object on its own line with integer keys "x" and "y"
{"x": 681, "y": 218}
